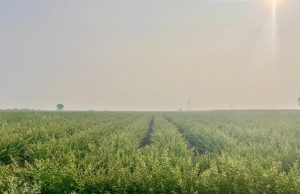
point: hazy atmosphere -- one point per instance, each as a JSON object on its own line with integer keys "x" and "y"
{"x": 149, "y": 55}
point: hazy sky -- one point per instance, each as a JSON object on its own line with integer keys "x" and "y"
{"x": 149, "y": 54}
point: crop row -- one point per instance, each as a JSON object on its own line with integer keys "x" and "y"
{"x": 254, "y": 135}
{"x": 102, "y": 153}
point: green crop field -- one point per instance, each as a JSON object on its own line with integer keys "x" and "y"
{"x": 146, "y": 152}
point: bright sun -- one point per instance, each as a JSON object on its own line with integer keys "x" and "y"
{"x": 274, "y": 2}
{"x": 275, "y": 5}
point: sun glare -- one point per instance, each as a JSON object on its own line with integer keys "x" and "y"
{"x": 274, "y": 30}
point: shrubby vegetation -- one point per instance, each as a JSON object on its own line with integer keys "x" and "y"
{"x": 94, "y": 152}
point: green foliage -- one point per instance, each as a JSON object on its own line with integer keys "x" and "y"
{"x": 94, "y": 152}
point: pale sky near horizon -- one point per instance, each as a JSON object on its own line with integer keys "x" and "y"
{"x": 149, "y": 54}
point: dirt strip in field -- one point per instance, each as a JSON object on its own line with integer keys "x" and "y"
{"x": 183, "y": 131}
{"x": 147, "y": 139}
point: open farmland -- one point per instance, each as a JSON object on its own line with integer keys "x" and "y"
{"x": 146, "y": 152}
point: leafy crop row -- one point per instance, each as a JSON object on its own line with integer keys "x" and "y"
{"x": 69, "y": 152}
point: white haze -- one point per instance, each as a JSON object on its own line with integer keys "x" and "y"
{"x": 149, "y": 55}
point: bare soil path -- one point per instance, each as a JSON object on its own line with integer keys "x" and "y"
{"x": 147, "y": 139}
{"x": 184, "y": 132}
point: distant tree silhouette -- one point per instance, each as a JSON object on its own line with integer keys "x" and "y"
{"x": 299, "y": 100}
{"x": 60, "y": 107}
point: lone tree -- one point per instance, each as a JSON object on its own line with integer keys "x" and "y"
{"x": 60, "y": 107}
